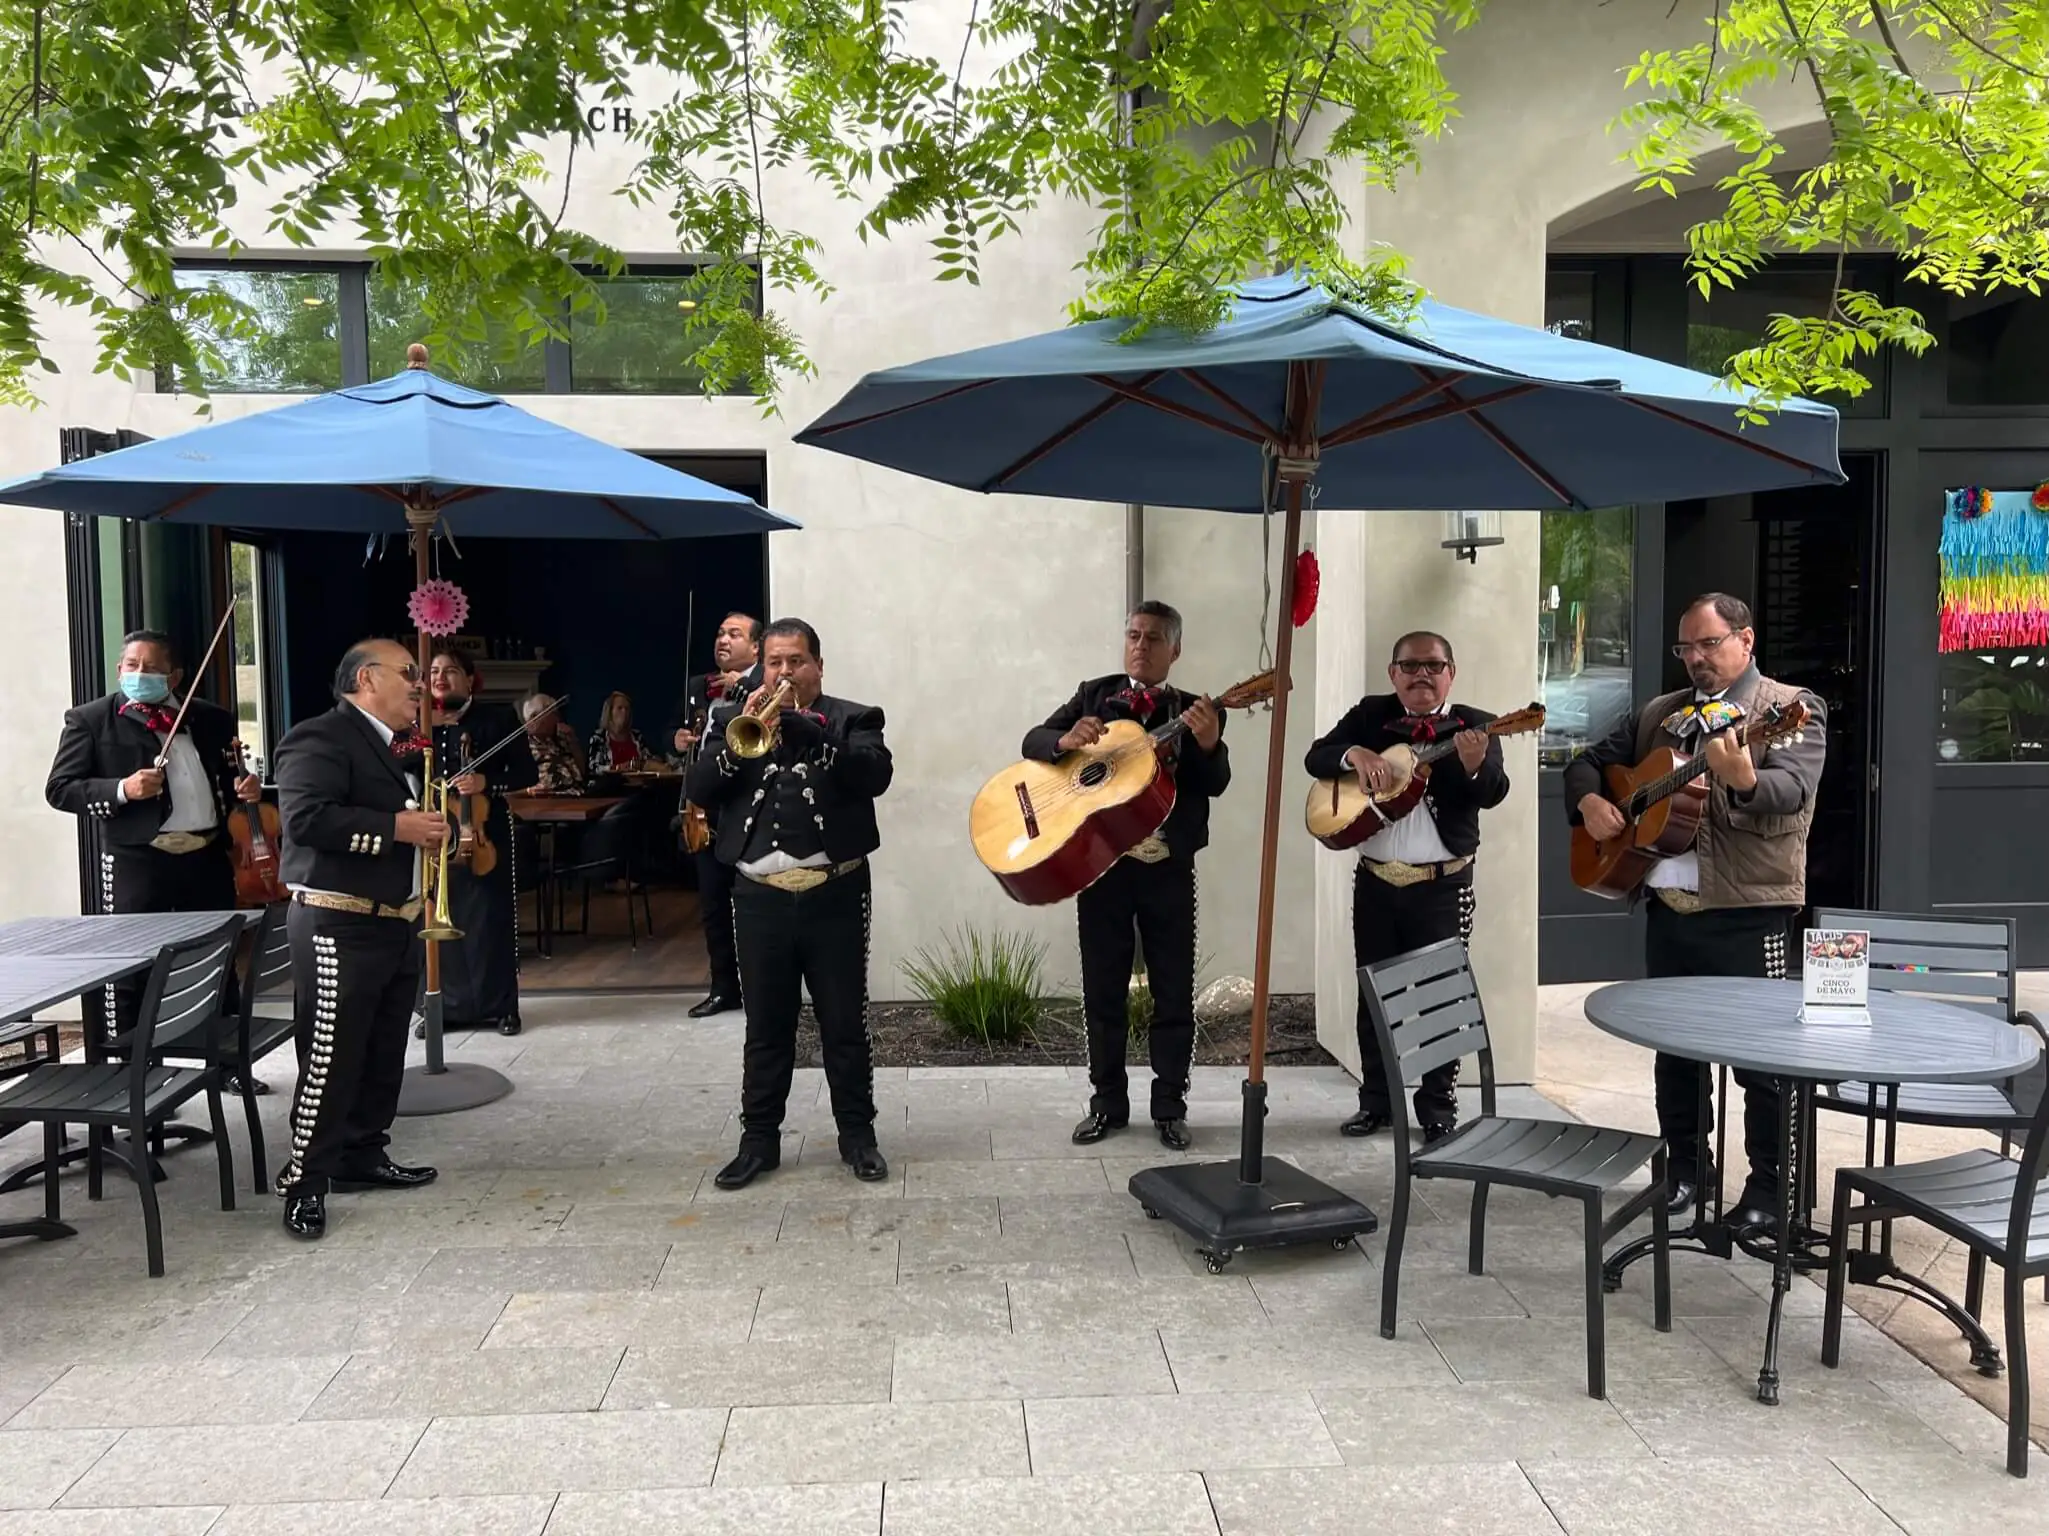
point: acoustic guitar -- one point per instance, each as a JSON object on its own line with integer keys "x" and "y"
{"x": 1342, "y": 815}
{"x": 1663, "y": 799}
{"x": 1048, "y": 831}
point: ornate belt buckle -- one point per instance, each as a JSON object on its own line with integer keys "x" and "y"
{"x": 178, "y": 842}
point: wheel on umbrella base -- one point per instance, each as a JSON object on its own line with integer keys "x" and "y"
{"x": 1341, "y": 1243}
{"x": 1150, "y": 1213}
{"x": 1215, "y": 1261}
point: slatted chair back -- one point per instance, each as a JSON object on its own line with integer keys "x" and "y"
{"x": 187, "y": 987}
{"x": 1425, "y": 1010}
{"x": 2034, "y": 1166}
{"x": 1967, "y": 962}
{"x": 270, "y": 958}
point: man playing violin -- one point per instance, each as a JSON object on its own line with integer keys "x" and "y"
{"x": 162, "y": 829}
{"x": 1146, "y": 902}
{"x": 1726, "y": 906}
{"x": 1414, "y": 884}
{"x": 736, "y": 658}
{"x": 479, "y": 971}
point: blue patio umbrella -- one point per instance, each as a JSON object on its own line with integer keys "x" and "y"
{"x": 1454, "y": 410}
{"x": 410, "y": 454}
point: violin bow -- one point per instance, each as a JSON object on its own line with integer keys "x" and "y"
{"x": 185, "y": 703}
{"x": 503, "y": 742}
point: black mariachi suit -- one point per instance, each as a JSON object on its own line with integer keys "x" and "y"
{"x": 340, "y": 789}
{"x": 1136, "y": 903}
{"x": 100, "y": 746}
{"x": 1389, "y": 920}
{"x": 480, "y": 971}
{"x": 814, "y": 793}
{"x": 701, "y": 708}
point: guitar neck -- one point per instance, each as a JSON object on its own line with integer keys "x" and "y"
{"x": 1670, "y": 784}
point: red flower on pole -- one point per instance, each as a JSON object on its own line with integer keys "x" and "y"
{"x": 2040, "y": 499}
{"x": 1308, "y": 578}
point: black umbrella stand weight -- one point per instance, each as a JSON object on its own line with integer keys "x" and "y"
{"x": 438, "y": 1088}
{"x": 1252, "y": 1203}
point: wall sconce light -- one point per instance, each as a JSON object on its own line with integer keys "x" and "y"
{"x": 1467, "y": 533}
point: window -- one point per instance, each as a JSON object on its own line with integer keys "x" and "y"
{"x": 1585, "y": 606}
{"x": 1994, "y": 707}
{"x": 644, "y": 344}
{"x": 1998, "y": 352}
{"x": 1735, "y": 320}
{"x": 1994, "y": 664}
{"x": 1569, "y": 304}
{"x": 500, "y": 362}
{"x": 289, "y": 340}
{"x": 247, "y": 634}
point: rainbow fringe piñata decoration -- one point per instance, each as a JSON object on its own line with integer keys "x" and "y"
{"x": 1995, "y": 571}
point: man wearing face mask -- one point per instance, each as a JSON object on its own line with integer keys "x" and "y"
{"x": 161, "y": 801}
{"x": 1725, "y": 907}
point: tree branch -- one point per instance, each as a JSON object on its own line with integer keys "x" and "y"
{"x": 1983, "y": 47}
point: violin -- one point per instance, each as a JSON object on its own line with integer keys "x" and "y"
{"x": 473, "y": 845}
{"x": 253, "y": 825}
{"x": 692, "y": 824}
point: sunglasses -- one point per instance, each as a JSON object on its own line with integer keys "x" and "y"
{"x": 1434, "y": 666}
{"x": 409, "y": 672}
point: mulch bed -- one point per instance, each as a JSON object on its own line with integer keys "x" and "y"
{"x": 910, "y": 1035}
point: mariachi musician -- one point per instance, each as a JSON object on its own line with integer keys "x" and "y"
{"x": 162, "y": 828}
{"x": 1148, "y": 897}
{"x": 1414, "y": 884}
{"x": 479, "y": 971}
{"x": 791, "y": 780}
{"x": 736, "y": 658}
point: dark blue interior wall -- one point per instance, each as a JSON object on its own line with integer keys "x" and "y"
{"x": 610, "y": 614}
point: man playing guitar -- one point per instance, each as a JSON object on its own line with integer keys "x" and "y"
{"x": 1415, "y": 879}
{"x": 1726, "y": 907}
{"x": 1148, "y": 896}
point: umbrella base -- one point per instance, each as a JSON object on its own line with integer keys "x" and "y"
{"x": 1224, "y": 1214}
{"x": 464, "y": 1085}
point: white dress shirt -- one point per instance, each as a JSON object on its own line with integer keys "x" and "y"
{"x": 1412, "y": 840}
{"x": 185, "y": 781}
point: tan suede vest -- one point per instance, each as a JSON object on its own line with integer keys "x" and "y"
{"x": 1746, "y": 859}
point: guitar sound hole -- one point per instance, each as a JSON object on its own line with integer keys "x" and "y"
{"x": 1094, "y": 774}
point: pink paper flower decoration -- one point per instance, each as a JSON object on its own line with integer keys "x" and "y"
{"x": 438, "y": 607}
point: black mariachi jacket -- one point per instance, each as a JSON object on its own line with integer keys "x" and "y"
{"x": 100, "y": 747}
{"x": 1455, "y": 799}
{"x": 836, "y": 748}
{"x": 1199, "y": 776}
{"x": 339, "y": 791}
{"x": 698, "y": 704}
{"x": 486, "y": 726}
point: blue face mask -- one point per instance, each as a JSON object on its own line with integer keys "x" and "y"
{"x": 146, "y": 687}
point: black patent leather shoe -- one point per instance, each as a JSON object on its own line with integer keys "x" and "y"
{"x": 1747, "y": 1219}
{"x": 1173, "y": 1134}
{"x": 717, "y": 1002}
{"x": 744, "y": 1170}
{"x": 510, "y": 1025}
{"x": 388, "y": 1175}
{"x": 868, "y": 1164}
{"x": 1684, "y": 1194}
{"x": 306, "y": 1217}
{"x": 231, "y": 1084}
{"x": 1368, "y": 1122}
{"x": 1096, "y": 1127}
{"x": 1435, "y": 1131}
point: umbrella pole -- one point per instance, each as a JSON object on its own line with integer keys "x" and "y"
{"x": 436, "y": 1089}
{"x": 1252, "y": 1139}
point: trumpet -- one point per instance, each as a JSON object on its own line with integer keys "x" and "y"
{"x": 752, "y": 733}
{"x": 434, "y": 869}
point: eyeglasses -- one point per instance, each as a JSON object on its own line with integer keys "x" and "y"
{"x": 1707, "y": 647}
{"x": 409, "y": 672}
{"x": 1434, "y": 666}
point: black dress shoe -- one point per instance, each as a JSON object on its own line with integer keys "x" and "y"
{"x": 388, "y": 1175}
{"x": 510, "y": 1025}
{"x": 306, "y": 1216}
{"x": 1097, "y": 1126}
{"x": 231, "y": 1084}
{"x": 744, "y": 1169}
{"x": 1368, "y": 1122}
{"x": 867, "y": 1163}
{"x": 1435, "y": 1131}
{"x": 1173, "y": 1134}
{"x": 1748, "y": 1218}
{"x": 1684, "y": 1193}
{"x": 717, "y": 1002}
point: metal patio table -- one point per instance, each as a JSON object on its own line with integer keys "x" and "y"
{"x": 127, "y": 940}
{"x": 1754, "y": 1025}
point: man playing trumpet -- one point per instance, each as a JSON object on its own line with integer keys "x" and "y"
{"x": 790, "y": 783}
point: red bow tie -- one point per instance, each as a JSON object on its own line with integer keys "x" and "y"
{"x": 1423, "y": 727}
{"x": 1140, "y": 701}
{"x": 155, "y": 716}
{"x": 407, "y": 743}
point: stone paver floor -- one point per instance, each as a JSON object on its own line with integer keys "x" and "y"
{"x": 574, "y": 1333}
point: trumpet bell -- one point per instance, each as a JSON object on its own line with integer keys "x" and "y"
{"x": 440, "y": 934}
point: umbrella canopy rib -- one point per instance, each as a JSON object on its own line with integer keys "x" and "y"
{"x": 1141, "y": 396}
{"x": 1086, "y": 419}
